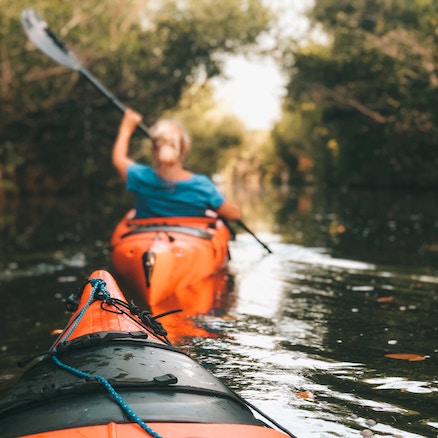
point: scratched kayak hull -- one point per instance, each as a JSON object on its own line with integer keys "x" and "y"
{"x": 158, "y": 257}
{"x": 113, "y": 373}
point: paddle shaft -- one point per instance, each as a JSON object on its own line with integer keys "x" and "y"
{"x": 117, "y": 103}
{"x": 255, "y": 237}
{"x": 266, "y": 417}
{"x": 226, "y": 222}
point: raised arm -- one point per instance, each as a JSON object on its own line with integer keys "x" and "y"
{"x": 120, "y": 158}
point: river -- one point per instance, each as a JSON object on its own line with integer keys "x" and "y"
{"x": 333, "y": 335}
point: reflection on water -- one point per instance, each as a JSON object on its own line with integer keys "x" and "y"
{"x": 379, "y": 227}
{"x": 322, "y": 330}
{"x": 207, "y": 298}
{"x": 303, "y": 333}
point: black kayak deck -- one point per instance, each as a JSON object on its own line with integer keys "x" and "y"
{"x": 160, "y": 383}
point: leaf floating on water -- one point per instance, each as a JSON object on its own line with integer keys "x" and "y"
{"x": 336, "y": 228}
{"x": 340, "y": 229}
{"x": 306, "y": 395}
{"x": 227, "y": 317}
{"x": 56, "y": 332}
{"x": 385, "y": 299}
{"x": 406, "y": 356}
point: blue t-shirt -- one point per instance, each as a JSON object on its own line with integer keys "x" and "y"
{"x": 156, "y": 197}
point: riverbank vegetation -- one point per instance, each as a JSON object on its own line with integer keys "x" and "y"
{"x": 363, "y": 104}
{"x": 360, "y": 108}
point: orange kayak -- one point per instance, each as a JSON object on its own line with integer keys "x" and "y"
{"x": 113, "y": 373}
{"x": 159, "y": 256}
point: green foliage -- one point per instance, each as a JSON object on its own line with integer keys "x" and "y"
{"x": 375, "y": 86}
{"x": 147, "y": 52}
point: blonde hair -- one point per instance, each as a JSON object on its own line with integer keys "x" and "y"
{"x": 172, "y": 151}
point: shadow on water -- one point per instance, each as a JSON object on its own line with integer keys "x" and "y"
{"x": 305, "y": 332}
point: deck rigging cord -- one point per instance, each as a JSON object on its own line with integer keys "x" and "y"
{"x": 99, "y": 291}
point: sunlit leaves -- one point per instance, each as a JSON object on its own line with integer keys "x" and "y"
{"x": 374, "y": 81}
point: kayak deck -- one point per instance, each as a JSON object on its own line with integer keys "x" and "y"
{"x": 158, "y": 383}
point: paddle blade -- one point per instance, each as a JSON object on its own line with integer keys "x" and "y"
{"x": 40, "y": 34}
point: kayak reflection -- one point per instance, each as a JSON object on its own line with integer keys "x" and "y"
{"x": 208, "y": 297}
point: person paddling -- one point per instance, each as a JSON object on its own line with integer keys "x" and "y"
{"x": 166, "y": 188}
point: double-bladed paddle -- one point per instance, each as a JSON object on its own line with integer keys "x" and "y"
{"x": 40, "y": 34}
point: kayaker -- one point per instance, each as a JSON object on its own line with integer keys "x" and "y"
{"x": 166, "y": 188}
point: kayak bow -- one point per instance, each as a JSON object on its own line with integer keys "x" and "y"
{"x": 112, "y": 372}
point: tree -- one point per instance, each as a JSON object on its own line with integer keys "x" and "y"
{"x": 374, "y": 87}
{"x": 146, "y": 52}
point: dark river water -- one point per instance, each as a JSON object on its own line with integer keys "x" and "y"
{"x": 335, "y": 334}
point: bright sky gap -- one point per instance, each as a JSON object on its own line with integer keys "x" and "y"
{"x": 253, "y": 89}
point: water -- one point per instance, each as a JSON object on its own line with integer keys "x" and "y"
{"x": 303, "y": 333}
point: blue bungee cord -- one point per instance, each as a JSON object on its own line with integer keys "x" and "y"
{"x": 99, "y": 286}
